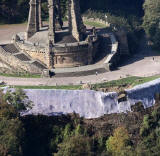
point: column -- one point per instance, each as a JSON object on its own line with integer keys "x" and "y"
{"x": 51, "y": 33}
{"x": 59, "y": 14}
{"x": 33, "y": 19}
{"x": 40, "y": 15}
{"x": 76, "y": 26}
{"x": 49, "y": 56}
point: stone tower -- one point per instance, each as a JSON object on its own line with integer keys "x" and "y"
{"x": 33, "y": 19}
{"x": 40, "y": 14}
{"x": 76, "y": 26}
{"x": 51, "y": 33}
{"x": 59, "y": 22}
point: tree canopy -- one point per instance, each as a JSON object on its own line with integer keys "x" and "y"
{"x": 151, "y": 22}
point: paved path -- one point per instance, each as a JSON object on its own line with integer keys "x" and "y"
{"x": 141, "y": 64}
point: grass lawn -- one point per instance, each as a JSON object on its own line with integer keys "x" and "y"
{"x": 94, "y": 24}
{"x": 49, "y": 87}
{"x": 129, "y": 81}
{"x": 22, "y": 75}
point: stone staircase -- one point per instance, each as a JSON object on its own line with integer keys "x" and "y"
{"x": 14, "y": 54}
{"x": 10, "y": 48}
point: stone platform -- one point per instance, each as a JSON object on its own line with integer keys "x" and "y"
{"x": 28, "y": 51}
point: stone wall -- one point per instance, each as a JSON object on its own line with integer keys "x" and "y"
{"x": 123, "y": 42}
{"x": 71, "y": 55}
{"x": 36, "y": 52}
{"x": 65, "y": 55}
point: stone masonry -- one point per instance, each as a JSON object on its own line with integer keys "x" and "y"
{"x": 76, "y": 27}
{"x": 51, "y": 33}
{"x": 33, "y": 20}
{"x": 40, "y": 14}
{"x": 59, "y": 22}
{"x": 54, "y": 55}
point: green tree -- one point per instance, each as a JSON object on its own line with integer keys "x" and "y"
{"x": 150, "y": 134}
{"x": 151, "y": 21}
{"x": 75, "y": 146}
{"x": 18, "y": 99}
{"x": 11, "y": 130}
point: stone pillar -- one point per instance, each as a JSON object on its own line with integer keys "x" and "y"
{"x": 51, "y": 33}
{"x": 58, "y": 6}
{"x": 76, "y": 26}
{"x": 33, "y": 19}
{"x": 40, "y": 15}
{"x": 49, "y": 56}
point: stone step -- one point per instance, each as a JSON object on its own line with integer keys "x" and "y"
{"x": 39, "y": 65}
{"x": 10, "y": 48}
{"x": 22, "y": 57}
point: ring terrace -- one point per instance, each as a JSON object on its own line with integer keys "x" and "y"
{"x": 54, "y": 45}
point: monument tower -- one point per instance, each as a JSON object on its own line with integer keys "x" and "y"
{"x": 33, "y": 19}
{"x": 62, "y": 47}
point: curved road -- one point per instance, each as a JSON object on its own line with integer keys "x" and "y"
{"x": 141, "y": 64}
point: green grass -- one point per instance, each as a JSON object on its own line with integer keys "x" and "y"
{"x": 22, "y": 75}
{"x": 133, "y": 81}
{"x": 74, "y": 87}
{"x": 94, "y": 24}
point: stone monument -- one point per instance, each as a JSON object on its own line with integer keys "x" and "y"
{"x": 55, "y": 45}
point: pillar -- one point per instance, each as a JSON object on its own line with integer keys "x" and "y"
{"x": 76, "y": 26}
{"x": 49, "y": 55}
{"x": 40, "y": 15}
{"x": 33, "y": 19}
{"x": 59, "y": 14}
{"x": 51, "y": 33}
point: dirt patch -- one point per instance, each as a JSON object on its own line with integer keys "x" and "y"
{"x": 7, "y": 31}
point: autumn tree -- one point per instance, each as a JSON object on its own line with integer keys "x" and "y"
{"x": 118, "y": 144}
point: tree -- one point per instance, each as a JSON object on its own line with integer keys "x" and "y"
{"x": 11, "y": 130}
{"x": 151, "y": 21}
{"x": 150, "y": 134}
{"x": 75, "y": 146}
{"x": 118, "y": 144}
{"x": 18, "y": 99}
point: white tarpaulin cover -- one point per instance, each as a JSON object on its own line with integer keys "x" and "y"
{"x": 87, "y": 103}
{"x": 144, "y": 93}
